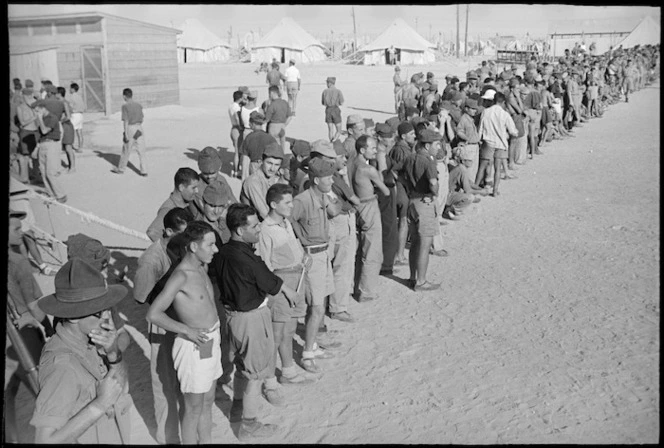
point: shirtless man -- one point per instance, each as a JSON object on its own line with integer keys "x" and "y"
{"x": 196, "y": 350}
{"x": 363, "y": 178}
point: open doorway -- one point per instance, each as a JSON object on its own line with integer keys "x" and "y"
{"x": 283, "y": 55}
{"x": 390, "y": 59}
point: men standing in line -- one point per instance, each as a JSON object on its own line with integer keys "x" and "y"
{"x": 356, "y": 128}
{"x": 197, "y": 346}
{"x": 278, "y": 114}
{"x": 244, "y": 281}
{"x": 332, "y": 98}
{"x": 402, "y": 149}
{"x": 387, "y": 204}
{"x": 311, "y": 225}
{"x": 255, "y": 187}
{"x": 185, "y": 189}
{"x": 132, "y": 137}
{"x": 293, "y": 82}
{"x": 422, "y": 176}
{"x": 365, "y": 178}
{"x": 153, "y": 264}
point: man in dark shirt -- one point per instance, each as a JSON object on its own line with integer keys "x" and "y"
{"x": 244, "y": 282}
{"x": 49, "y": 150}
{"x": 253, "y": 145}
{"x": 133, "y": 136}
{"x": 422, "y": 176}
{"x": 274, "y": 77}
{"x": 332, "y": 98}
{"x": 402, "y": 149}
{"x": 278, "y": 115}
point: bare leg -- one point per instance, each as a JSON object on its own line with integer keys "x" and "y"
{"x": 331, "y": 131}
{"x": 193, "y": 408}
{"x": 286, "y": 345}
{"x": 278, "y": 330}
{"x": 496, "y": 176}
{"x": 71, "y": 158}
{"x": 481, "y": 171}
{"x": 423, "y": 258}
{"x": 205, "y": 419}
{"x": 79, "y": 134}
{"x": 313, "y": 321}
{"x": 235, "y": 135}
{"x": 403, "y": 237}
{"x": 413, "y": 253}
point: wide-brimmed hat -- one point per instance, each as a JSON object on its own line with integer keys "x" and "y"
{"x": 90, "y": 250}
{"x": 324, "y": 148}
{"x": 80, "y": 290}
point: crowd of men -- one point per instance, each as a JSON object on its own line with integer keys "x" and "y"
{"x": 227, "y": 280}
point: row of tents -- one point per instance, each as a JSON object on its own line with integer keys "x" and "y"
{"x": 288, "y": 40}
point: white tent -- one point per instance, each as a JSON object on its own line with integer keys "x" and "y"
{"x": 411, "y": 47}
{"x": 198, "y": 44}
{"x": 648, "y": 32}
{"x": 287, "y": 41}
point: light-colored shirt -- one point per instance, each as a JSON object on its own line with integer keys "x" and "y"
{"x": 152, "y": 265}
{"x": 254, "y": 189}
{"x": 495, "y": 127}
{"x": 26, "y": 113}
{"x": 292, "y": 74}
{"x": 245, "y": 113}
{"x": 76, "y": 102}
{"x": 278, "y": 246}
{"x": 156, "y": 228}
{"x": 233, "y": 109}
{"x": 309, "y": 218}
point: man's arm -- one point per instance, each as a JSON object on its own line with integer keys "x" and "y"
{"x": 511, "y": 127}
{"x": 245, "y": 165}
{"x": 157, "y": 312}
{"x": 289, "y": 114}
{"x": 256, "y": 198}
{"x": 42, "y": 127}
{"x": 144, "y": 280}
{"x": 374, "y": 177}
{"x": 264, "y": 248}
{"x": 156, "y": 228}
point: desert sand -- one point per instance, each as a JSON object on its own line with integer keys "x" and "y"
{"x": 545, "y": 330}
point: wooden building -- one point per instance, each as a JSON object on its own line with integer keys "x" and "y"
{"x": 102, "y": 53}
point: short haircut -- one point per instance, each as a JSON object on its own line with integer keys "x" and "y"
{"x": 127, "y": 92}
{"x": 499, "y": 98}
{"x": 195, "y": 232}
{"x": 177, "y": 217}
{"x": 463, "y": 85}
{"x": 185, "y": 176}
{"x": 274, "y": 89}
{"x": 277, "y": 192}
{"x": 47, "y": 82}
{"x": 237, "y": 95}
{"x": 62, "y": 91}
{"x": 74, "y": 86}
{"x": 487, "y": 80}
{"x": 237, "y": 216}
{"x": 362, "y": 142}
{"x": 16, "y": 80}
{"x": 419, "y": 127}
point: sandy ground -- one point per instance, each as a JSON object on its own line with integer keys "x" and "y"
{"x": 546, "y": 328}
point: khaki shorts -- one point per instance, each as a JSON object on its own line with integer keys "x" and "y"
{"x": 320, "y": 279}
{"x": 279, "y": 305}
{"x": 422, "y": 217}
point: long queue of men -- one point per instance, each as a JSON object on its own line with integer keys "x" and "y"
{"x": 228, "y": 279}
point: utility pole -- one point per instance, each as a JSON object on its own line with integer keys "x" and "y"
{"x": 457, "y": 39}
{"x": 465, "y": 39}
{"x": 354, "y": 29}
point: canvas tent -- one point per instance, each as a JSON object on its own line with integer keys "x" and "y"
{"x": 648, "y": 32}
{"x": 287, "y": 41}
{"x": 198, "y": 44}
{"x": 411, "y": 48}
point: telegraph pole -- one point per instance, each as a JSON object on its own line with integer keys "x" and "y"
{"x": 465, "y": 47}
{"x": 354, "y": 28}
{"x": 457, "y": 39}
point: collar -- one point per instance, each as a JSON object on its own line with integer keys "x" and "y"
{"x": 269, "y": 221}
{"x": 71, "y": 340}
{"x": 177, "y": 199}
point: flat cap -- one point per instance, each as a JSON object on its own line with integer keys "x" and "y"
{"x": 384, "y": 130}
{"x": 301, "y": 148}
{"x": 429, "y": 136}
{"x": 209, "y": 160}
{"x": 354, "y": 119}
{"x": 216, "y": 194}
{"x": 253, "y": 94}
{"x": 393, "y": 123}
{"x": 244, "y": 89}
{"x": 324, "y": 148}
{"x": 273, "y": 150}
{"x": 320, "y": 167}
{"x": 404, "y": 128}
{"x": 51, "y": 89}
{"x": 369, "y": 123}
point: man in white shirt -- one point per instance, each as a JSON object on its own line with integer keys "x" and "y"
{"x": 293, "y": 82}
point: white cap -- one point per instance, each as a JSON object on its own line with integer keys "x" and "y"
{"x": 489, "y": 94}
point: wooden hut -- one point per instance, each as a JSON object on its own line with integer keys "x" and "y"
{"x": 102, "y": 53}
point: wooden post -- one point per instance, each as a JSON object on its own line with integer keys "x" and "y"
{"x": 465, "y": 47}
{"x": 354, "y": 29}
{"x": 104, "y": 69}
{"x": 457, "y": 32}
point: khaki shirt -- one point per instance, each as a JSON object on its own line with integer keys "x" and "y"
{"x": 278, "y": 246}
{"x": 69, "y": 371}
{"x": 309, "y": 218}
{"x": 254, "y": 189}
{"x": 156, "y": 228}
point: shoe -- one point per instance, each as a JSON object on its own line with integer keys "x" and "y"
{"x": 253, "y": 429}
{"x": 343, "y": 316}
{"x": 411, "y": 283}
{"x": 274, "y": 396}
{"x": 144, "y": 174}
{"x": 426, "y": 286}
{"x": 235, "y": 415}
{"x": 362, "y": 299}
{"x": 117, "y": 171}
{"x": 439, "y": 253}
{"x": 309, "y": 364}
{"x": 539, "y": 153}
{"x": 297, "y": 379}
{"x": 326, "y": 345}
{"x": 317, "y": 353}
{"x": 386, "y": 272}
{"x": 62, "y": 199}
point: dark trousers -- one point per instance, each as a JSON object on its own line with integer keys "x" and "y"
{"x": 388, "y": 218}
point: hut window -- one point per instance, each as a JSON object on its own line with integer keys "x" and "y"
{"x": 66, "y": 28}
{"x": 42, "y": 29}
{"x": 18, "y": 30}
{"x": 91, "y": 27}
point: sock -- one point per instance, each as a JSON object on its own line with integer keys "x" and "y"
{"x": 289, "y": 372}
{"x": 271, "y": 383}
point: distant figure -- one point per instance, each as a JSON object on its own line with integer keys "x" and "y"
{"x": 392, "y": 54}
{"x": 132, "y": 137}
{"x": 293, "y": 82}
{"x": 274, "y": 77}
{"x": 332, "y": 98}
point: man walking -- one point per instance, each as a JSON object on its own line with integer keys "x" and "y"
{"x": 132, "y": 137}
{"x": 293, "y": 82}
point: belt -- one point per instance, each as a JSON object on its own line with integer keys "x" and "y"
{"x": 262, "y": 305}
{"x": 47, "y": 140}
{"x": 368, "y": 199}
{"x": 296, "y": 268}
{"x": 316, "y": 248}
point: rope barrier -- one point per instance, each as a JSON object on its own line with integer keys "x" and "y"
{"x": 89, "y": 217}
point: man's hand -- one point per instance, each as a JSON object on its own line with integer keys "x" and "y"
{"x": 196, "y": 335}
{"x": 291, "y": 295}
{"x": 106, "y": 337}
{"x": 124, "y": 138}
{"x": 108, "y": 391}
{"x": 307, "y": 261}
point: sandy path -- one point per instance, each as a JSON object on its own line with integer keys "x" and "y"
{"x": 546, "y": 329}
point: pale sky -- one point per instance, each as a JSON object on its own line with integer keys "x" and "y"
{"x": 485, "y": 20}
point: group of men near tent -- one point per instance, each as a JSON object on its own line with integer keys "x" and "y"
{"x": 227, "y": 281}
